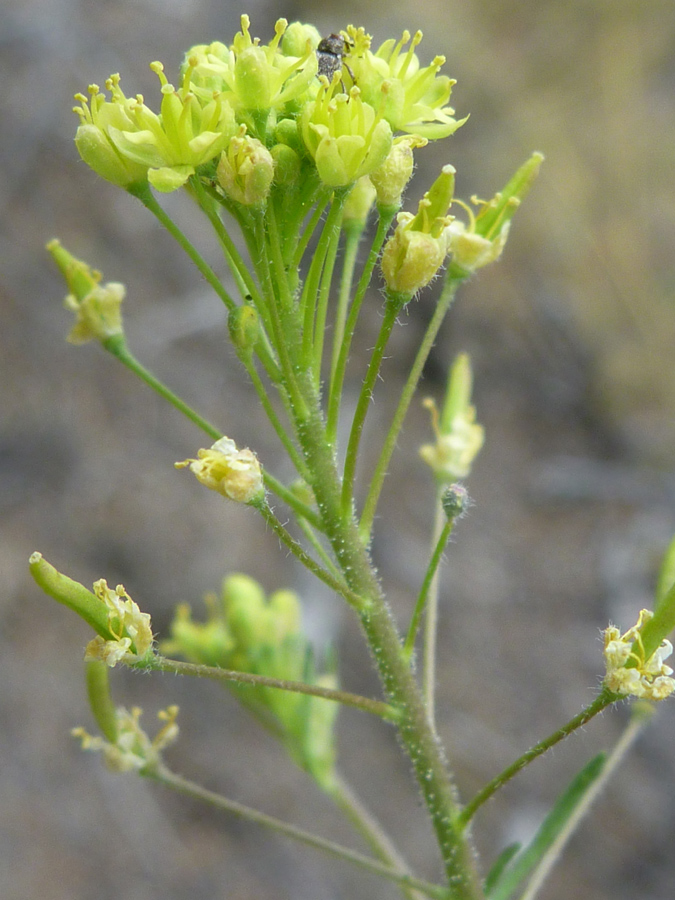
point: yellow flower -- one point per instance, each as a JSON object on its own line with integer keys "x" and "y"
{"x": 416, "y": 97}
{"x": 236, "y": 474}
{"x": 188, "y": 132}
{"x": 252, "y": 76}
{"x": 345, "y": 136}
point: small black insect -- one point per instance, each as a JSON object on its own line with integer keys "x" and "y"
{"x": 330, "y": 53}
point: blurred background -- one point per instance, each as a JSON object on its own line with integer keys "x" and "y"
{"x": 571, "y": 336}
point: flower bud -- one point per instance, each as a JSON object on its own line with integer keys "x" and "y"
{"x": 286, "y": 614}
{"x": 244, "y": 328}
{"x": 358, "y": 204}
{"x": 455, "y": 501}
{"x": 245, "y": 610}
{"x": 286, "y": 165}
{"x": 246, "y": 170}
{"x": 296, "y": 36}
{"x": 393, "y": 175}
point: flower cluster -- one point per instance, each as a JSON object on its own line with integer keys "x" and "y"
{"x": 273, "y": 93}
{"x": 129, "y": 627}
{"x": 236, "y": 474}
{"x": 629, "y": 670}
{"x": 248, "y": 632}
{"x": 132, "y": 750}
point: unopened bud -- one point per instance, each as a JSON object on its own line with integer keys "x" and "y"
{"x": 246, "y": 170}
{"x": 244, "y": 328}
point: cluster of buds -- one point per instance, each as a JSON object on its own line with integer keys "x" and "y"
{"x": 248, "y": 632}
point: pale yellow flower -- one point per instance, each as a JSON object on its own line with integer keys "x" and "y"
{"x": 234, "y": 473}
{"x": 627, "y": 670}
{"x": 129, "y": 626}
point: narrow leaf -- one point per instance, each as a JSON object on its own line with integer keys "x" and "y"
{"x": 564, "y": 807}
{"x": 502, "y": 861}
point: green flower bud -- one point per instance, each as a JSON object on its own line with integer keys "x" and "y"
{"x": 246, "y": 170}
{"x": 287, "y": 165}
{"x": 358, "y": 204}
{"x": 245, "y": 609}
{"x": 391, "y": 178}
{"x": 284, "y": 605}
{"x": 244, "y": 328}
{"x": 455, "y": 501}
{"x": 208, "y": 643}
{"x": 286, "y": 132}
{"x": 296, "y": 36}
{"x": 411, "y": 259}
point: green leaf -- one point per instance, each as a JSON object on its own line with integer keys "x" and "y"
{"x": 502, "y": 861}
{"x": 522, "y": 864}
{"x": 666, "y": 579}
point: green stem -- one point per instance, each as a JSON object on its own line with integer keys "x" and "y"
{"x": 117, "y": 346}
{"x": 365, "y": 704}
{"x": 440, "y": 542}
{"x": 290, "y": 499}
{"x": 332, "y": 227}
{"x": 377, "y": 481}
{"x": 416, "y": 734}
{"x": 164, "y": 776}
{"x": 323, "y": 196}
{"x": 602, "y": 701}
{"x": 339, "y": 586}
{"x": 352, "y": 231}
{"x": 340, "y": 368}
{"x": 145, "y": 195}
{"x": 271, "y": 413}
{"x": 392, "y": 309}
{"x": 431, "y": 619}
{"x": 236, "y": 264}
{"x": 310, "y": 291}
{"x": 370, "y": 830}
